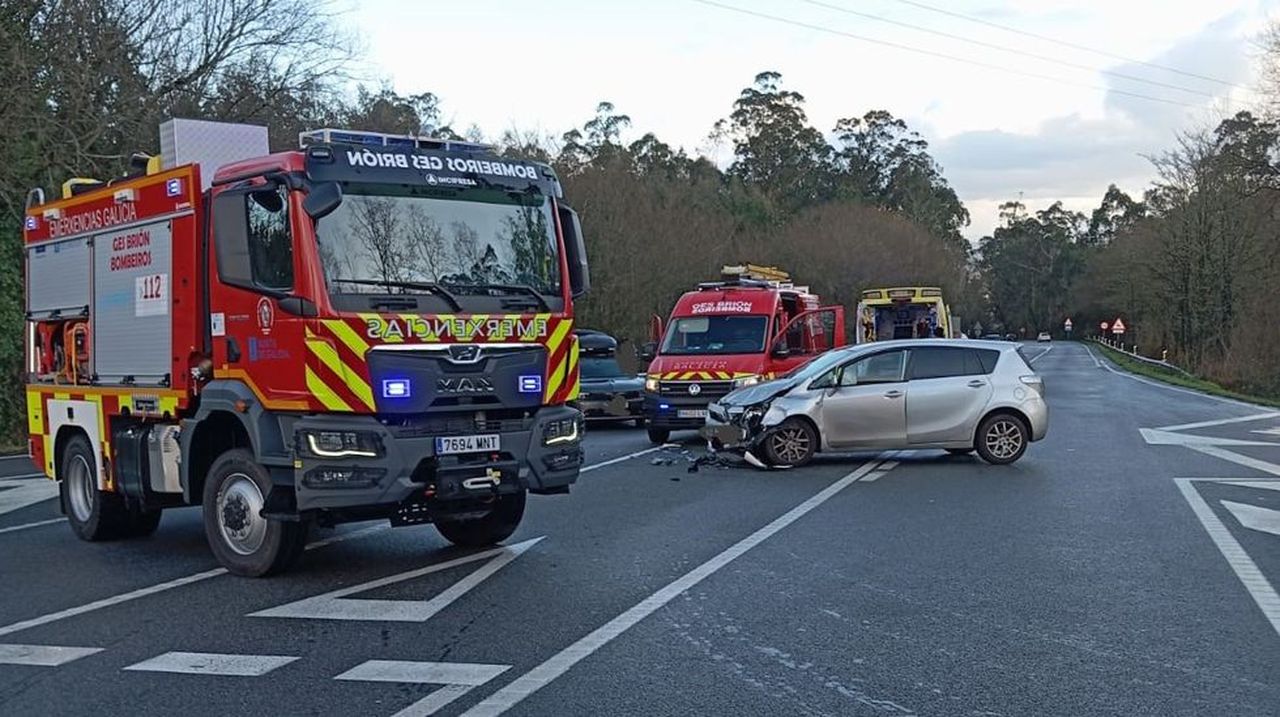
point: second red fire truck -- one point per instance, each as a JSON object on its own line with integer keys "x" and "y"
{"x": 752, "y": 325}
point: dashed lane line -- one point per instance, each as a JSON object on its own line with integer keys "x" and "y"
{"x": 558, "y": 664}
{"x": 1245, "y": 569}
{"x": 621, "y": 459}
{"x": 43, "y": 655}
{"x": 212, "y": 663}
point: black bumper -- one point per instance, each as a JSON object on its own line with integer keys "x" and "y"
{"x": 408, "y": 468}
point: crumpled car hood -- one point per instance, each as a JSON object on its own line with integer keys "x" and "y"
{"x": 759, "y": 393}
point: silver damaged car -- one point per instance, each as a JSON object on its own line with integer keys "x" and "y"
{"x": 958, "y": 395}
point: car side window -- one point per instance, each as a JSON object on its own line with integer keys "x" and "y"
{"x": 988, "y": 358}
{"x": 880, "y": 368}
{"x": 943, "y": 362}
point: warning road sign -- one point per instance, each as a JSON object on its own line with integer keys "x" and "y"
{"x": 1117, "y": 326}
{"x": 1067, "y": 324}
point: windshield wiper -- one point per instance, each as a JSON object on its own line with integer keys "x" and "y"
{"x": 525, "y": 289}
{"x": 428, "y": 287}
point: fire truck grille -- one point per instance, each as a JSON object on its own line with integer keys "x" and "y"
{"x": 458, "y": 425}
{"x": 707, "y": 389}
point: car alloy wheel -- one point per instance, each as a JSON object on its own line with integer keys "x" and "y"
{"x": 791, "y": 444}
{"x": 1004, "y": 438}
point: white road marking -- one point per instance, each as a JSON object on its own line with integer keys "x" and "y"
{"x": 873, "y": 477}
{"x": 1253, "y": 517}
{"x": 1269, "y": 431}
{"x": 43, "y": 655}
{"x": 1270, "y": 484}
{"x": 620, "y": 459}
{"x": 20, "y": 492}
{"x": 211, "y": 663}
{"x": 37, "y": 524}
{"x": 205, "y": 575}
{"x": 1161, "y": 437}
{"x": 559, "y": 663}
{"x": 1177, "y": 389}
{"x": 1039, "y": 355}
{"x": 1220, "y": 422}
{"x": 1245, "y": 569}
{"x": 24, "y": 476}
{"x": 1238, "y": 458}
{"x": 1096, "y": 362}
{"x": 458, "y": 679}
{"x": 335, "y": 605}
{"x": 158, "y": 588}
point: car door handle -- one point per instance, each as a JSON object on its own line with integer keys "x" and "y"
{"x": 893, "y": 394}
{"x": 977, "y": 384}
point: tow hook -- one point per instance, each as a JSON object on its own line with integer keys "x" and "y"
{"x": 491, "y": 479}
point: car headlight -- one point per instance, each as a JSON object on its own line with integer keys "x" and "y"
{"x": 651, "y": 385}
{"x": 560, "y": 431}
{"x": 745, "y": 381}
{"x": 342, "y": 444}
{"x": 752, "y": 414}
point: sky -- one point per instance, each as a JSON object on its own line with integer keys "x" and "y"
{"x": 1003, "y": 125}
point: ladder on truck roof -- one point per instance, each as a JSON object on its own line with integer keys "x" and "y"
{"x": 759, "y": 272}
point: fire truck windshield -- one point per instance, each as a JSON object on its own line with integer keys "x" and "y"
{"x": 395, "y": 240}
{"x": 698, "y": 335}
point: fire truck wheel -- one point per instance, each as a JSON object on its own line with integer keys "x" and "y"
{"x": 243, "y": 541}
{"x": 93, "y": 514}
{"x": 495, "y": 527}
{"x": 658, "y": 436}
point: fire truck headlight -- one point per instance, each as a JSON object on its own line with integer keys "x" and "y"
{"x": 651, "y": 384}
{"x": 561, "y": 431}
{"x": 342, "y": 444}
{"x": 745, "y": 381}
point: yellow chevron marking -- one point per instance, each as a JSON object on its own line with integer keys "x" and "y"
{"x": 328, "y": 355}
{"x": 344, "y": 333}
{"x": 557, "y": 336}
{"x": 326, "y": 396}
{"x": 575, "y": 387}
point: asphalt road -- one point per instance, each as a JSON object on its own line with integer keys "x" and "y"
{"x": 1114, "y": 570}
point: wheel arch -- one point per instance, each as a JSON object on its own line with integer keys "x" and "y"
{"x": 998, "y": 411}
{"x": 214, "y": 434}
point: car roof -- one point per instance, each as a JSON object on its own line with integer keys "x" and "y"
{"x": 922, "y": 343}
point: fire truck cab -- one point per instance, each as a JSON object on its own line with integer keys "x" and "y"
{"x": 367, "y": 327}
{"x": 751, "y": 326}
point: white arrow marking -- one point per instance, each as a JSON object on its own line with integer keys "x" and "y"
{"x": 1270, "y": 431}
{"x": 336, "y": 605}
{"x": 1161, "y": 437}
{"x": 458, "y": 679}
{"x": 1220, "y": 422}
{"x": 18, "y": 494}
{"x": 1255, "y": 518}
{"x": 1263, "y": 484}
{"x": 1247, "y": 461}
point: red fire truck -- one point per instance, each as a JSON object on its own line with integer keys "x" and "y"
{"x": 751, "y": 326}
{"x": 368, "y": 327}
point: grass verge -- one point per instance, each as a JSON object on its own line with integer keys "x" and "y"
{"x": 1177, "y": 379}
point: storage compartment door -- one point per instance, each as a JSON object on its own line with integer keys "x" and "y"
{"x": 132, "y": 322}
{"x": 58, "y": 278}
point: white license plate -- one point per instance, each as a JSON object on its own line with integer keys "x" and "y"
{"x": 446, "y": 445}
{"x": 691, "y": 413}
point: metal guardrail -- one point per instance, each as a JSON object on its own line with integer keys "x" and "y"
{"x": 1120, "y": 348}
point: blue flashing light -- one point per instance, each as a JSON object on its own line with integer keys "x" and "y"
{"x": 396, "y": 388}
{"x": 531, "y": 383}
{"x": 173, "y": 187}
{"x": 664, "y": 406}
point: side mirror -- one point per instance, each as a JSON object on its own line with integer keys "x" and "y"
{"x": 648, "y": 351}
{"x": 322, "y": 199}
{"x": 780, "y": 351}
{"x": 575, "y": 248}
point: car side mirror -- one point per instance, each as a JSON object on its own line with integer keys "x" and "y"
{"x": 780, "y": 351}
{"x": 647, "y": 351}
{"x": 322, "y": 199}
{"x": 575, "y": 246}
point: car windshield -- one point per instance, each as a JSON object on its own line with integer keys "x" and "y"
{"x": 715, "y": 335}
{"x": 389, "y": 240}
{"x": 600, "y": 367}
{"x": 818, "y": 366}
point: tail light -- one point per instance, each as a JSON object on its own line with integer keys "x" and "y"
{"x": 1034, "y": 381}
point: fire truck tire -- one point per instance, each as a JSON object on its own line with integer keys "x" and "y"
{"x": 493, "y": 528}
{"x": 658, "y": 436}
{"x": 243, "y": 541}
{"x": 93, "y": 514}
